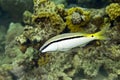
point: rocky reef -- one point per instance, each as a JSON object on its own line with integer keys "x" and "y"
{"x": 76, "y": 18}
{"x": 99, "y": 60}
{"x": 113, "y": 11}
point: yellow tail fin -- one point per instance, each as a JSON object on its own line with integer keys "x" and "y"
{"x": 101, "y": 34}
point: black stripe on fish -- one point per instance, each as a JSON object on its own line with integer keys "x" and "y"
{"x": 60, "y": 40}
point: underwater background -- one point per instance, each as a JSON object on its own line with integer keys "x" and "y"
{"x": 25, "y": 25}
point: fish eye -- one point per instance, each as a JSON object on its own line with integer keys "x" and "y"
{"x": 92, "y": 36}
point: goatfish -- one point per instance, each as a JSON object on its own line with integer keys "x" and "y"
{"x": 67, "y": 41}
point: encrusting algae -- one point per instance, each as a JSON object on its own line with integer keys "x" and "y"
{"x": 113, "y": 10}
{"x": 44, "y": 59}
{"x": 77, "y": 17}
{"x": 23, "y": 60}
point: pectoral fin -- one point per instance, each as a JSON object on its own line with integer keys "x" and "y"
{"x": 83, "y": 45}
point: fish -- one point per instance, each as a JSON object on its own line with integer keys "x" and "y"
{"x": 67, "y": 41}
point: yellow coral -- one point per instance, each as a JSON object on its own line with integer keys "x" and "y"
{"x": 44, "y": 5}
{"x": 113, "y": 10}
{"x": 48, "y": 19}
{"x": 47, "y": 15}
{"x": 85, "y": 15}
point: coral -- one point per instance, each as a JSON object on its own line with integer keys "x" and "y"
{"x": 45, "y": 19}
{"x": 97, "y": 16}
{"x": 115, "y": 52}
{"x": 27, "y": 17}
{"x": 48, "y": 15}
{"x": 113, "y": 10}
{"x": 4, "y": 75}
{"x": 49, "y": 19}
{"x": 43, "y": 59}
{"x": 14, "y": 30}
{"x": 76, "y": 17}
{"x": 47, "y": 6}
{"x": 16, "y": 62}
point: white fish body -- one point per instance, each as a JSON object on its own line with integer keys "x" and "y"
{"x": 65, "y": 42}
